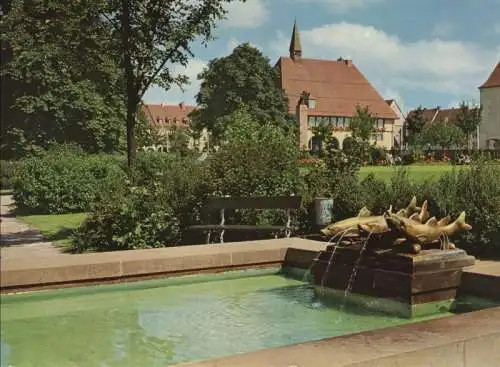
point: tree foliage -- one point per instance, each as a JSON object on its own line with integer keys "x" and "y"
{"x": 415, "y": 123}
{"x": 243, "y": 78}
{"x": 61, "y": 81}
{"x": 468, "y": 119}
{"x": 254, "y": 159}
{"x": 154, "y": 36}
{"x": 442, "y": 134}
{"x": 363, "y": 124}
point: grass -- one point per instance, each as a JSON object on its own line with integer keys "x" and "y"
{"x": 56, "y": 228}
{"x": 419, "y": 173}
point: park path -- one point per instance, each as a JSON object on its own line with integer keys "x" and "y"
{"x": 18, "y": 241}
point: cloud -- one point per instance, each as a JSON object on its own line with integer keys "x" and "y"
{"x": 156, "y": 95}
{"x": 496, "y": 28}
{"x": 250, "y": 14}
{"x": 389, "y": 62}
{"x": 443, "y": 29}
{"x": 343, "y": 6}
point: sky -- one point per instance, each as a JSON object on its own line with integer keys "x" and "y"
{"x": 419, "y": 52}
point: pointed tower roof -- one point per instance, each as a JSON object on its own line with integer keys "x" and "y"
{"x": 295, "y": 46}
{"x": 494, "y": 79}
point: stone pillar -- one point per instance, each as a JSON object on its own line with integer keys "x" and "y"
{"x": 302, "y": 118}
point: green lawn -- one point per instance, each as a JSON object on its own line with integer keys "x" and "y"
{"x": 419, "y": 173}
{"x": 56, "y": 228}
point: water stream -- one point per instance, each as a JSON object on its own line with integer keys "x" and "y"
{"x": 332, "y": 256}
{"x": 355, "y": 269}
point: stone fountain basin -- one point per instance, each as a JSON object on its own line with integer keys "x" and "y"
{"x": 431, "y": 276}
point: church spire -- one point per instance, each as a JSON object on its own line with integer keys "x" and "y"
{"x": 295, "y": 46}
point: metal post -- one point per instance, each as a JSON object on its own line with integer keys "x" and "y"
{"x": 223, "y": 220}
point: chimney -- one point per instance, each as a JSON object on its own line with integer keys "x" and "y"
{"x": 181, "y": 106}
{"x": 348, "y": 63}
{"x": 164, "y": 104}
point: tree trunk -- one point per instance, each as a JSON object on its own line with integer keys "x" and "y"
{"x": 131, "y": 145}
{"x": 132, "y": 101}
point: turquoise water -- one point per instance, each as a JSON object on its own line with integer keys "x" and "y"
{"x": 162, "y": 323}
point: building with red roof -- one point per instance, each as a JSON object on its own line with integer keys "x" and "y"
{"x": 489, "y": 130}
{"x": 329, "y": 91}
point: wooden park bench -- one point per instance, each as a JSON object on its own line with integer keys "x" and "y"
{"x": 230, "y": 203}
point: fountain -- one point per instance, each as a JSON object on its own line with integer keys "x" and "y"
{"x": 402, "y": 260}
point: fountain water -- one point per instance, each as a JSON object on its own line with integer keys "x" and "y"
{"x": 355, "y": 268}
{"x": 408, "y": 259}
{"x": 307, "y": 274}
{"x": 330, "y": 260}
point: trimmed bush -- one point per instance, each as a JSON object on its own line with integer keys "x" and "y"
{"x": 152, "y": 214}
{"x": 64, "y": 181}
{"x": 138, "y": 218}
{"x": 6, "y": 174}
{"x": 475, "y": 190}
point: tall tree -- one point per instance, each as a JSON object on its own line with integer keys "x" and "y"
{"x": 243, "y": 78}
{"x": 154, "y": 36}
{"x": 60, "y": 78}
{"x": 415, "y": 123}
{"x": 443, "y": 135}
{"x": 363, "y": 124}
{"x": 468, "y": 119}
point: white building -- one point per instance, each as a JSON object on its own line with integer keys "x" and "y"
{"x": 489, "y": 129}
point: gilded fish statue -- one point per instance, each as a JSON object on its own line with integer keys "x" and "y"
{"x": 431, "y": 231}
{"x": 365, "y": 219}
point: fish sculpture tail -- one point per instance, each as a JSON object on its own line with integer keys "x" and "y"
{"x": 460, "y": 222}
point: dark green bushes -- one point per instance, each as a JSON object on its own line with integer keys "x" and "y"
{"x": 64, "y": 180}
{"x": 150, "y": 212}
{"x": 6, "y": 174}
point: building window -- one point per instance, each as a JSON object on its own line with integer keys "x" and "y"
{"x": 313, "y": 121}
{"x": 379, "y": 137}
{"x": 380, "y": 123}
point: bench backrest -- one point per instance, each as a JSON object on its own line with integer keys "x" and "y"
{"x": 261, "y": 202}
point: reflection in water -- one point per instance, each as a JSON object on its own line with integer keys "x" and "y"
{"x": 173, "y": 324}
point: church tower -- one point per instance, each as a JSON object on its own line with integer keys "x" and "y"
{"x": 295, "y": 46}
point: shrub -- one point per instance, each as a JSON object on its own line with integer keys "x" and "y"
{"x": 152, "y": 214}
{"x": 138, "y": 218}
{"x": 6, "y": 174}
{"x": 64, "y": 180}
{"x": 376, "y": 194}
{"x": 376, "y": 154}
{"x": 255, "y": 160}
{"x": 475, "y": 190}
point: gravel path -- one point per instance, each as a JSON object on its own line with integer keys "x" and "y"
{"x": 17, "y": 239}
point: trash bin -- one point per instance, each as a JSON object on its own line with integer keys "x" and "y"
{"x": 323, "y": 211}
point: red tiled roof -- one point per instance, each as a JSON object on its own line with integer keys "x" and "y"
{"x": 163, "y": 114}
{"x": 336, "y": 85}
{"x": 448, "y": 115}
{"x": 494, "y": 79}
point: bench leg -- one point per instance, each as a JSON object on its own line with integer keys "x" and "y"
{"x": 222, "y": 236}
{"x": 208, "y": 237}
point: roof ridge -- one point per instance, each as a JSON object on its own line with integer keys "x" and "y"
{"x": 493, "y": 80}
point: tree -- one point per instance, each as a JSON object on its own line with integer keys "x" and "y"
{"x": 322, "y": 133}
{"x": 468, "y": 119}
{"x": 59, "y": 89}
{"x": 363, "y": 124}
{"x": 243, "y": 78}
{"x": 254, "y": 159}
{"x": 442, "y": 134}
{"x": 155, "y": 35}
{"x": 415, "y": 123}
